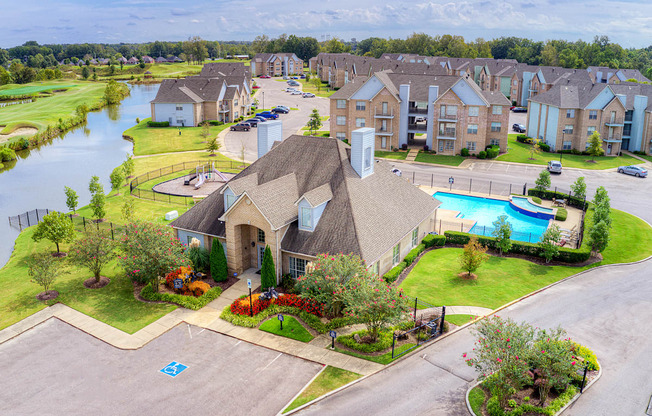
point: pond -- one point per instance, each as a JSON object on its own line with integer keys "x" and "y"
{"x": 38, "y": 177}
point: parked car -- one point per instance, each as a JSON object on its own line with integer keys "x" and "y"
{"x": 308, "y": 95}
{"x": 256, "y": 87}
{"x": 519, "y": 109}
{"x": 279, "y": 110}
{"x": 290, "y": 89}
{"x": 554, "y": 166}
{"x": 419, "y": 119}
{"x": 296, "y": 92}
{"x": 293, "y": 83}
{"x": 285, "y": 77}
{"x": 268, "y": 114}
{"x": 241, "y": 127}
{"x": 302, "y": 77}
{"x": 633, "y": 170}
{"x": 519, "y": 128}
{"x": 397, "y": 172}
{"x": 283, "y": 107}
{"x": 265, "y": 76}
{"x": 260, "y": 119}
{"x": 253, "y": 122}
{"x": 295, "y": 77}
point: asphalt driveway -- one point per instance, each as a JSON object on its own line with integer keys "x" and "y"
{"x": 55, "y": 369}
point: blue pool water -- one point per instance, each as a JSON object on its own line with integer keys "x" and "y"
{"x": 524, "y": 203}
{"x": 485, "y": 211}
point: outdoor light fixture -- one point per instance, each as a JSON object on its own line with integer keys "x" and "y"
{"x": 253, "y": 244}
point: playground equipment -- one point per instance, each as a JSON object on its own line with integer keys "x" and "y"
{"x": 204, "y": 173}
{"x": 201, "y": 176}
{"x": 217, "y": 173}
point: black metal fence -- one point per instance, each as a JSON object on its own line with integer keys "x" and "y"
{"x": 428, "y": 324}
{"x": 33, "y": 217}
{"x": 27, "y": 219}
{"x": 441, "y": 226}
{"x": 150, "y": 194}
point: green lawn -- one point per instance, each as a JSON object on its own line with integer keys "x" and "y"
{"x": 318, "y": 133}
{"x": 391, "y": 155}
{"x": 646, "y": 157}
{"x": 520, "y": 153}
{"x": 459, "y": 320}
{"x": 380, "y": 359}
{"x": 500, "y": 280}
{"x": 439, "y": 159}
{"x": 154, "y": 140}
{"x": 476, "y": 400}
{"x": 330, "y": 379}
{"x": 114, "y": 304}
{"x": 291, "y": 329}
{"x": 47, "y": 111}
{"x": 32, "y": 89}
{"x": 149, "y": 163}
{"x": 309, "y": 87}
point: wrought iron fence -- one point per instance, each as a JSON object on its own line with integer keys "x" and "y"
{"x": 428, "y": 325}
{"x": 442, "y": 226}
{"x": 80, "y": 223}
{"x": 27, "y": 219}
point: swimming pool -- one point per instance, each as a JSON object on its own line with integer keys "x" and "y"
{"x": 486, "y": 210}
{"x": 523, "y": 205}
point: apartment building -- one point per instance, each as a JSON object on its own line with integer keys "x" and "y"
{"x": 566, "y": 115}
{"x": 445, "y": 113}
{"x": 276, "y": 64}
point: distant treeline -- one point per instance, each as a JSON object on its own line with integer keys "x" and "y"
{"x": 577, "y": 54}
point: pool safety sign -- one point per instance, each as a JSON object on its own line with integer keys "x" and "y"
{"x": 173, "y": 369}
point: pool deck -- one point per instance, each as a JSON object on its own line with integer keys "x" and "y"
{"x": 447, "y": 219}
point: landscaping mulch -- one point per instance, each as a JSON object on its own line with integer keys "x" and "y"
{"x": 47, "y": 295}
{"x": 94, "y": 284}
{"x": 59, "y": 255}
{"x": 466, "y": 276}
{"x": 138, "y": 287}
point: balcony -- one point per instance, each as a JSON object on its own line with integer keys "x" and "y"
{"x": 418, "y": 127}
{"x": 382, "y": 114}
{"x": 384, "y": 132}
{"x": 615, "y": 122}
{"x": 417, "y": 110}
{"x": 446, "y": 136}
{"x": 224, "y": 109}
{"x": 612, "y": 139}
{"x": 450, "y": 118}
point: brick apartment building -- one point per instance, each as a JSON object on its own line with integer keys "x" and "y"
{"x": 276, "y": 64}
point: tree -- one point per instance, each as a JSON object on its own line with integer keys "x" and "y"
{"x": 85, "y": 73}
{"x": 579, "y": 188}
{"x": 595, "y": 146}
{"x": 128, "y": 209}
{"x": 195, "y": 49}
{"x": 71, "y": 199}
{"x": 44, "y": 270}
{"x": 213, "y": 146}
{"x": 5, "y": 77}
{"x": 149, "y": 252}
{"x": 549, "y": 243}
{"x": 317, "y": 83}
{"x": 117, "y": 178}
{"x": 128, "y": 166}
{"x": 601, "y": 197}
{"x": 56, "y": 227}
{"x": 552, "y": 359}
{"x": 535, "y": 148}
{"x": 219, "y": 270}
{"x": 93, "y": 251}
{"x": 543, "y": 181}
{"x": 602, "y": 207}
{"x": 599, "y": 236}
{"x": 370, "y": 300}
{"x": 97, "y": 197}
{"x": 335, "y": 46}
{"x": 502, "y": 231}
{"x": 114, "y": 92}
{"x": 314, "y": 122}
{"x": 473, "y": 256}
{"x": 268, "y": 271}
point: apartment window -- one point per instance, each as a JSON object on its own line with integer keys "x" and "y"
{"x": 341, "y": 103}
{"x": 181, "y": 121}
{"x": 235, "y": 102}
{"x": 497, "y": 109}
{"x": 189, "y": 239}
{"x": 494, "y": 142}
{"x": 360, "y": 122}
{"x": 568, "y": 129}
{"x": 474, "y": 111}
{"x": 415, "y": 237}
{"x": 396, "y": 254}
{"x": 341, "y": 120}
{"x": 375, "y": 269}
{"x": 570, "y": 113}
{"x": 230, "y": 200}
{"x": 235, "y": 114}
{"x": 179, "y": 107}
{"x": 629, "y": 115}
{"x": 495, "y": 126}
{"x": 472, "y": 129}
{"x": 261, "y": 236}
{"x": 470, "y": 146}
{"x": 449, "y": 145}
{"x": 383, "y": 142}
{"x": 360, "y": 105}
{"x": 297, "y": 267}
{"x": 627, "y": 130}
{"x": 306, "y": 217}
{"x": 590, "y": 130}
{"x": 567, "y": 145}
{"x": 447, "y": 129}
{"x": 340, "y": 135}
{"x": 593, "y": 114}
{"x": 448, "y": 111}
{"x": 515, "y": 82}
{"x": 383, "y": 125}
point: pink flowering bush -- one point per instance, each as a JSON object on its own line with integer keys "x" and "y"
{"x": 150, "y": 251}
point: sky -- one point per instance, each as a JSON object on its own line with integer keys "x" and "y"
{"x": 627, "y": 22}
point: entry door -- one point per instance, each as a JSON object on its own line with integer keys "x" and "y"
{"x": 609, "y": 149}
{"x": 441, "y": 146}
{"x": 261, "y": 253}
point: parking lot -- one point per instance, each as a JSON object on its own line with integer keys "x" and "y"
{"x": 514, "y": 118}
{"x": 270, "y": 95}
{"x": 56, "y": 369}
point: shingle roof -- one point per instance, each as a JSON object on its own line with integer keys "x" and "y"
{"x": 319, "y": 195}
{"x": 349, "y": 89}
{"x": 570, "y": 96}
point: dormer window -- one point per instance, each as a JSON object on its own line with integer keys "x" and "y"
{"x": 230, "y": 200}
{"x": 305, "y": 220}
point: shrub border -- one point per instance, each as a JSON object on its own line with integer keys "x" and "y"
{"x": 188, "y": 302}
{"x": 309, "y": 319}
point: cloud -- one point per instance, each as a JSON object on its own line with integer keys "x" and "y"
{"x": 180, "y": 12}
{"x": 528, "y": 5}
{"x": 195, "y": 21}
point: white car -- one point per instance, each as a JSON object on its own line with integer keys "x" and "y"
{"x": 308, "y": 95}
{"x": 296, "y": 92}
{"x": 554, "y": 166}
{"x": 290, "y": 89}
{"x": 397, "y": 172}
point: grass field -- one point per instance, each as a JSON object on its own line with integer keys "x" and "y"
{"x": 501, "y": 280}
{"x": 15, "y": 89}
{"x": 520, "y": 153}
{"x": 391, "y": 155}
{"x": 154, "y": 140}
{"x": 309, "y": 87}
{"x": 47, "y": 111}
{"x": 380, "y": 359}
{"x": 476, "y": 400}
{"x": 439, "y": 159}
{"x": 291, "y": 329}
{"x": 328, "y": 380}
{"x": 146, "y": 164}
{"x": 459, "y": 320}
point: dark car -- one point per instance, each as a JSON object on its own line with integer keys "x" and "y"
{"x": 241, "y": 127}
{"x": 519, "y": 128}
{"x": 519, "y": 109}
{"x": 268, "y": 114}
{"x": 279, "y": 110}
{"x": 253, "y": 122}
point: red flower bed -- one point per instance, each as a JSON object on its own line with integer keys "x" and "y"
{"x": 242, "y": 306}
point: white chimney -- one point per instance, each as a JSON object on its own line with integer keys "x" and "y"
{"x": 268, "y": 132}
{"x": 362, "y": 151}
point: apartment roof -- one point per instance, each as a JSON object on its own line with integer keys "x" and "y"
{"x": 419, "y": 84}
{"x": 199, "y": 88}
{"x": 570, "y": 96}
{"x": 361, "y": 217}
{"x": 349, "y": 88}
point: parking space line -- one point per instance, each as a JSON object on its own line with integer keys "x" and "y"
{"x": 270, "y": 363}
{"x": 236, "y": 344}
{"x": 189, "y": 333}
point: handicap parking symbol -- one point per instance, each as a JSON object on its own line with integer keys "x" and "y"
{"x": 173, "y": 369}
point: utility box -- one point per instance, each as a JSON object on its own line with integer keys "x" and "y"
{"x": 171, "y": 215}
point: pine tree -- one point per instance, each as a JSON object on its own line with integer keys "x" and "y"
{"x": 219, "y": 270}
{"x": 268, "y": 271}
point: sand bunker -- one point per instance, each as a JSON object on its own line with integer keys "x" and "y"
{"x": 21, "y": 131}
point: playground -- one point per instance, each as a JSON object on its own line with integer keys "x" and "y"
{"x": 201, "y": 181}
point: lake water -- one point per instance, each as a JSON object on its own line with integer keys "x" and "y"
{"x": 37, "y": 179}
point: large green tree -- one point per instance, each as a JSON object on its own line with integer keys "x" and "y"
{"x": 93, "y": 251}
{"x": 268, "y": 271}
{"x": 218, "y": 265}
{"x": 56, "y": 227}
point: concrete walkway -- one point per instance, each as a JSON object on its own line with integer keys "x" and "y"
{"x": 635, "y": 156}
{"x": 412, "y": 155}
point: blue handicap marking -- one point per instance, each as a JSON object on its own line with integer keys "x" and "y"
{"x": 173, "y": 369}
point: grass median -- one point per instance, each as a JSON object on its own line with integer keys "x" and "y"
{"x": 328, "y": 380}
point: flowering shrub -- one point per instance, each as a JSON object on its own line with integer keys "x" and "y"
{"x": 192, "y": 286}
{"x": 242, "y": 306}
{"x": 198, "y": 288}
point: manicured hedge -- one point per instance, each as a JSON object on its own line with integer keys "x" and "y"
{"x": 158, "y": 124}
{"x": 414, "y": 253}
{"x": 311, "y": 320}
{"x": 562, "y": 214}
{"x": 523, "y": 138}
{"x": 572, "y": 201}
{"x": 189, "y": 302}
{"x": 384, "y": 341}
{"x": 566, "y": 255}
{"x": 395, "y": 272}
{"x": 434, "y": 240}
{"x": 494, "y": 409}
{"x": 215, "y": 122}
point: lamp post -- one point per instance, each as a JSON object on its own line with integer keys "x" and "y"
{"x": 263, "y": 92}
